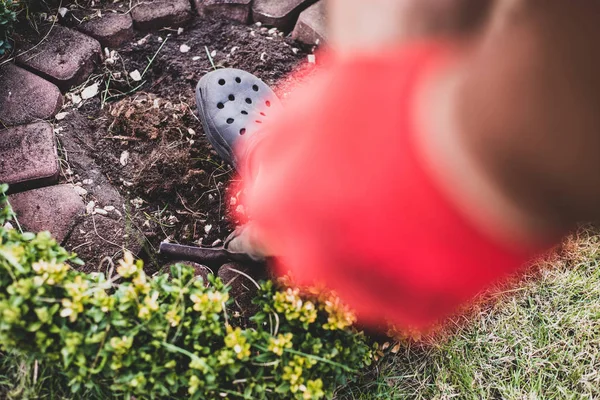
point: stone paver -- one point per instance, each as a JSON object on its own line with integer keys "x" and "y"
{"x": 28, "y": 157}
{"x": 25, "y": 97}
{"x": 111, "y": 30}
{"x": 279, "y": 13}
{"x": 54, "y": 208}
{"x": 155, "y": 14}
{"x": 98, "y": 237}
{"x": 311, "y": 26}
{"x": 237, "y": 10}
{"x": 66, "y": 57}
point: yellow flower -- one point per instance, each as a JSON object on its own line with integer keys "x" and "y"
{"x": 281, "y": 342}
{"x": 150, "y": 305}
{"x": 312, "y": 390}
{"x": 71, "y": 309}
{"x": 173, "y": 317}
{"x": 293, "y": 307}
{"x": 340, "y": 316}
{"x": 211, "y": 301}
{"x": 127, "y": 266}
{"x": 237, "y": 342}
{"x": 50, "y": 273}
{"x": 140, "y": 283}
{"x": 121, "y": 344}
{"x": 194, "y": 384}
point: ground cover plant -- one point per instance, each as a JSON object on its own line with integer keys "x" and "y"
{"x": 126, "y": 335}
{"x": 8, "y": 16}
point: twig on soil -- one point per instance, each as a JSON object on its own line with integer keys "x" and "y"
{"x": 210, "y": 58}
{"x": 154, "y": 56}
{"x": 194, "y": 213}
{"x": 103, "y": 102}
{"x": 125, "y": 138}
{"x": 116, "y": 96}
{"x": 97, "y": 234}
{"x": 247, "y": 276}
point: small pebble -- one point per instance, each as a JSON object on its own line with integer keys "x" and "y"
{"x": 207, "y": 228}
{"x": 184, "y": 48}
{"x": 137, "y": 202}
{"x": 216, "y": 242}
{"x": 100, "y": 211}
{"x": 124, "y": 159}
{"x": 87, "y": 181}
{"x": 135, "y": 75}
{"x": 61, "y": 115}
{"x": 89, "y": 208}
{"x": 109, "y": 208}
{"x": 80, "y": 191}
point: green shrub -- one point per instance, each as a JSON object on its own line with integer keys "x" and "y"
{"x": 8, "y": 16}
{"x": 127, "y": 335}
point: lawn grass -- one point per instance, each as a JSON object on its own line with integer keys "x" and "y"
{"x": 538, "y": 340}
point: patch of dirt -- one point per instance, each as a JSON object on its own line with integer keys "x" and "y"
{"x": 146, "y": 139}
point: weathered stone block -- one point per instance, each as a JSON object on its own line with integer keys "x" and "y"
{"x": 279, "y": 13}
{"x": 28, "y": 156}
{"x": 155, "y": 14}
{"x": 54, "y": 208}
{"x": 236, "y": 10}
{"x": 66, "y": 57}
{"x": 25, "y": 97}
{"x": 111, "y": 30}
{"x": 311, "y": 26}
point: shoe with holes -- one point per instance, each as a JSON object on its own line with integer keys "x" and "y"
{"x": 232, "y": 103}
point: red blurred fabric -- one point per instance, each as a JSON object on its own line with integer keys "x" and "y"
{"x": 344, "y": 200}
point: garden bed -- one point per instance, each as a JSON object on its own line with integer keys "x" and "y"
{"x": 150, "y": 144}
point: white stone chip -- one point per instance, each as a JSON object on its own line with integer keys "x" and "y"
{"x": 100, "y": 211}
{"x": 135, "y": 75}
{"x": 124, "y": 159}
{"x": 61, "y": 115}
{"x": 184, "y": 48}
{"x": 80, "y": 191}
{"x": 89, "y": 91}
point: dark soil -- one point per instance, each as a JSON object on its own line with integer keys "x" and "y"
{"x": 176, "y": 186}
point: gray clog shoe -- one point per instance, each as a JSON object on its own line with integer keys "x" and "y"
{"x": 232, "y": 103}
